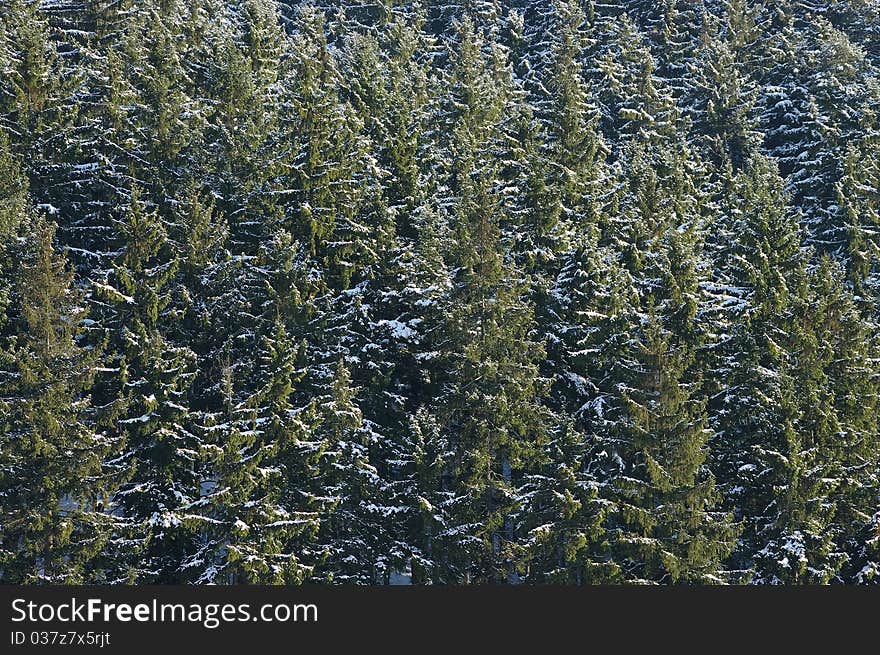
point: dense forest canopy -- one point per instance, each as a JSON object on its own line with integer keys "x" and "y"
{"x": 459, "y": 291}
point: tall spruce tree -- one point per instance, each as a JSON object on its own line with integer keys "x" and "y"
{"x": 253, "y": 522}
{"x": 773, "y": 414}
{"x": 51, "y": 484}
{"x": 489, "y": 401}
{"x": 143, "y": 393}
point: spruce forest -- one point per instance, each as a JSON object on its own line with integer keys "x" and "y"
{"x": 440, "y": 292}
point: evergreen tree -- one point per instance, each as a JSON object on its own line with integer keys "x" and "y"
{"x": 564, "y": 176}
{"x": 353, "y": 532}
{"x": 858, "y": 209}
{"x": 51, "y": 483}
{"x": 489, "y": 403}
{"x": 774, "y": 414}
{"x": 667, "y": 526}
{"x": 634, "y": 102}
{"x": 563, "y": 515}
{"x": 332, "y": 173}
{"x": 842, "y": 345}
{"x": 38, "y": 96}
{"x": 721, "y": 103}
{"x": 144, "y": 399}
{"x": 240, "y": 67}
{"x": 252, "y": 522}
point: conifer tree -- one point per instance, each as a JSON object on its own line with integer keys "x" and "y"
{"x": 563, "y": 516}
{"x": 14, "y": 207}
{"x": 774, "y": 412}
{"x": 721, "y": 103}
{"x": 667, "y": 525}
{"x": 51, "y": 483}
{"x": 144, "y": 397}
{"x": 38, "y": 96}
{"x": 843, "y": 415}
{"x": 490, "y": 395}
{"x": 254, "y": 521}
{"x": 563, "y": 159}
{"x": 332, "y": 173}
{"x": 635, "y": 103}
{"x": 858, "y": 207}
{"x": 353, "y": 532}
